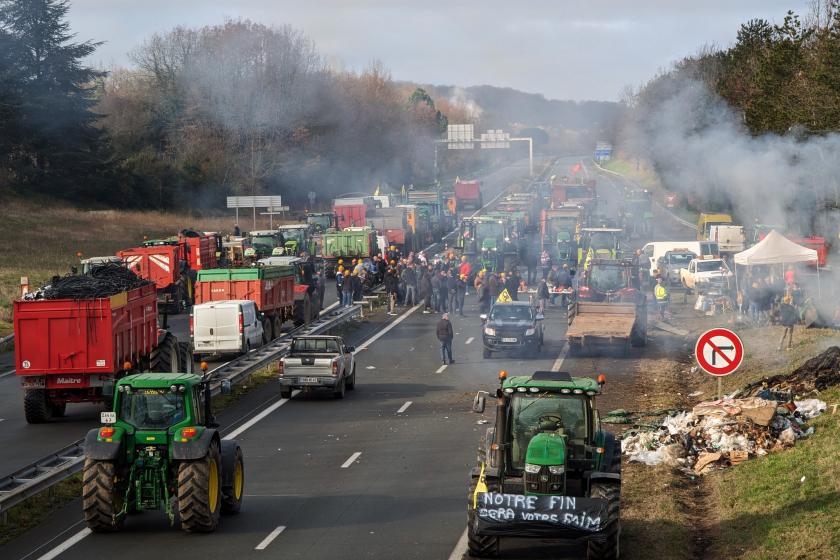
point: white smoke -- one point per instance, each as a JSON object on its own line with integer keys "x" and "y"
{"x": 462, "y": 99}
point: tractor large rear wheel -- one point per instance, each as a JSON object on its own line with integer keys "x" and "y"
{"x": 608, "y": 547}
{"x": 36, "y": 408}
{"x": 234, "y": 476}
{"x": 200, "y": 492}
{"x": 165, "y": 357}
{"x": 102, "y": 500}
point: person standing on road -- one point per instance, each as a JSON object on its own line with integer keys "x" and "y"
{"x": 545, "y": 263}
{"x": 445, "y": 334}
{"x": 512, "y": 284}
{"x": 452, "y": 291}
{"x": 319, "y": 286}
{"x": 391, "y": 286}
{"x": 662, "y": 297}
{"x": 461, "y": 294}
{"x": 426, "y": 289}
{"x": 410, "y": 280}
{"x": 339, "y": 282}
{"x": 788, "y": 318}
{"x": 347, "y": 290}
{"x": 542, "y": 295}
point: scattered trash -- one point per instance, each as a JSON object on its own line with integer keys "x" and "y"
{"x": 370, "y": 367}
{"x": 482, "y": 421}
{"x": 716, "y": 434}
{"x": 695, "y": 394}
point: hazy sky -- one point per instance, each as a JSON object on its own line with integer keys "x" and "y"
{"x": 562, "y": 49}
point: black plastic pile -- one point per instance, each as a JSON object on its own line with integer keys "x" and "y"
{"x": 105, "y": 280}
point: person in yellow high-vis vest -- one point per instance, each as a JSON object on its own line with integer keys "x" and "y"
{"x": 660, "y": 292}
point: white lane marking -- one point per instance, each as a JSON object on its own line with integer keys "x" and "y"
{"x": 250, "y": 423}
{"x": 404, "y": 407}
{"x": 271, "y": 536}
{"x": 7, "y": 373}
{"x": 469, "y": 340}
{"x": 60, "y": 549}
{"x": 558, "y": 363}
{"x": 461, "y": 548}
{"x": 441, "y": 368}
{"x": 352, "y": 459}
{"x": 390, "y": 326}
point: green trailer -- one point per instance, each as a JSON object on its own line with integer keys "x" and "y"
{"x": 347, "y": 244}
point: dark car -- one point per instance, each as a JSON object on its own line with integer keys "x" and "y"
{"x": 512, "y": 326}
{"x": 671, "y": 262}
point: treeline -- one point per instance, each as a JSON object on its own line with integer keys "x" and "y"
{"x": 233, "y": 108}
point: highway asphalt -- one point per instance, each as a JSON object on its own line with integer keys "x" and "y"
{"x": 380, "y": 474}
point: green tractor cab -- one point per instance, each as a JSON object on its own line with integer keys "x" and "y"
{"x": 546, "y": 469}
{"x": 161, "y": 442}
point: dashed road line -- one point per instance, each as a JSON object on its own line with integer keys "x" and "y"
{"x": 558, "y": 363}
{"x": 63, "y": 547}
{"x": 351, "y": 460}
{"x": 404, "y": 407}
{"x": 7, "y": 373}
{"x": 469, "y": 340}
{"x": 441, "y": 368}
{"x": 271, "y": 536}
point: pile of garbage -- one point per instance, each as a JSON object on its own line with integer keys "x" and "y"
{"x": 817, "y": 374}
{"x": 103, "y": 280}
{"x": 717, "y": 434}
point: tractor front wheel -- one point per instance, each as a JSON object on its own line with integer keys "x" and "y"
{"x": 480, "y": 546}
{"x": 101, "y": 498}
{"x": 607, "y": 548}
{"x": 200, "y": 492}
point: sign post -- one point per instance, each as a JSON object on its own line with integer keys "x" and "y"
{"x": 719, "y": 352}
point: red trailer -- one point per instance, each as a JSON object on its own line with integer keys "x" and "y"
{"x": 73, "y": 350}
{"x": 272, "y": 288}
{"x": 199, "y": 250}
{"x": 164, "y": 265}
{"x": 350, "y": 215}
{"x": 468, "y": 195}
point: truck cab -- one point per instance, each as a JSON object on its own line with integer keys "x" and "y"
{"x": 264, "y": 243}
{"x": 706, "y": 274}
{"x": 706, "y": 221}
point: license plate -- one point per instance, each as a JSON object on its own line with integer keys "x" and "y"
{"x": 508, "y": 340}
{"x": 308, "y": 380}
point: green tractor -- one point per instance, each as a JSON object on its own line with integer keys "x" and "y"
{"x": 160, "y": 444}
{"x": 546, "y": 469}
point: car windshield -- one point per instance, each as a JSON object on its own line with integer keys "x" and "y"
{"x": 324, "y": 345}
{"x": 526, "y": 410}
{"x": 711, "y": 266}
{"x": 152, "y": 409}
{"x": 682, "y": 259}
{"x": 511, "y": 313}
{"x": 489, "y": 229}
{"x": 607, "y": 278}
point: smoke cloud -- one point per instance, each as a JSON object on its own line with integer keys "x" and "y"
{"x": 700, "y": 148}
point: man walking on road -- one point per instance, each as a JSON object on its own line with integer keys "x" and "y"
{"x": 445, "y": 334}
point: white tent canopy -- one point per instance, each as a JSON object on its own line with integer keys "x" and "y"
{"x": 775, "y": 249}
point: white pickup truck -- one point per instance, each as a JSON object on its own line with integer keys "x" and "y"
{"x": 704, "y": 274}
{"x": 318, "y": 362}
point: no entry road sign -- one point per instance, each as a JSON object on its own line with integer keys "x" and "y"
{"x": 719, "y": 352}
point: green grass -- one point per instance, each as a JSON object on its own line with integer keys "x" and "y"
{"x": 766, "y": 512}
{"x": 33, "y": 511}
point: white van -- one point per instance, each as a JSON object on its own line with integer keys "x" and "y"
{"x": 656, "y": 249}
{"x": 225, "y": 327}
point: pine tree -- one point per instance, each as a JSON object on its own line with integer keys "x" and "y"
{"x": 58, "y": 146}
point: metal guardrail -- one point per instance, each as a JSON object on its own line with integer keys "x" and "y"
{"x": 6, "y": 340}
{"x": 40, "y": 475}
{"x": 61, "y": 465}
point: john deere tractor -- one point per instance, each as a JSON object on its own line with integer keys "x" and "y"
{"x": 546, "y": 469}
{"x": 161, "y": 444}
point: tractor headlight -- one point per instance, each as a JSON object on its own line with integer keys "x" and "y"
{"x": 556, "y": 469}
{"x": 530, "y": 332}
{"x": 489, "y": 332}
{"x": 532, "y": 469}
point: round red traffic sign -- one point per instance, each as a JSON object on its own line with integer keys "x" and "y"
{"x": 719, "y": 352}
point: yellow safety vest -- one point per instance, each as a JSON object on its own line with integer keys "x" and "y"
{"x": 660, "y": 292}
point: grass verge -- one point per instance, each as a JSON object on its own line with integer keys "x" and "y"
{"x": 32, "y": 512}
{"x": 784, "y": 505}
